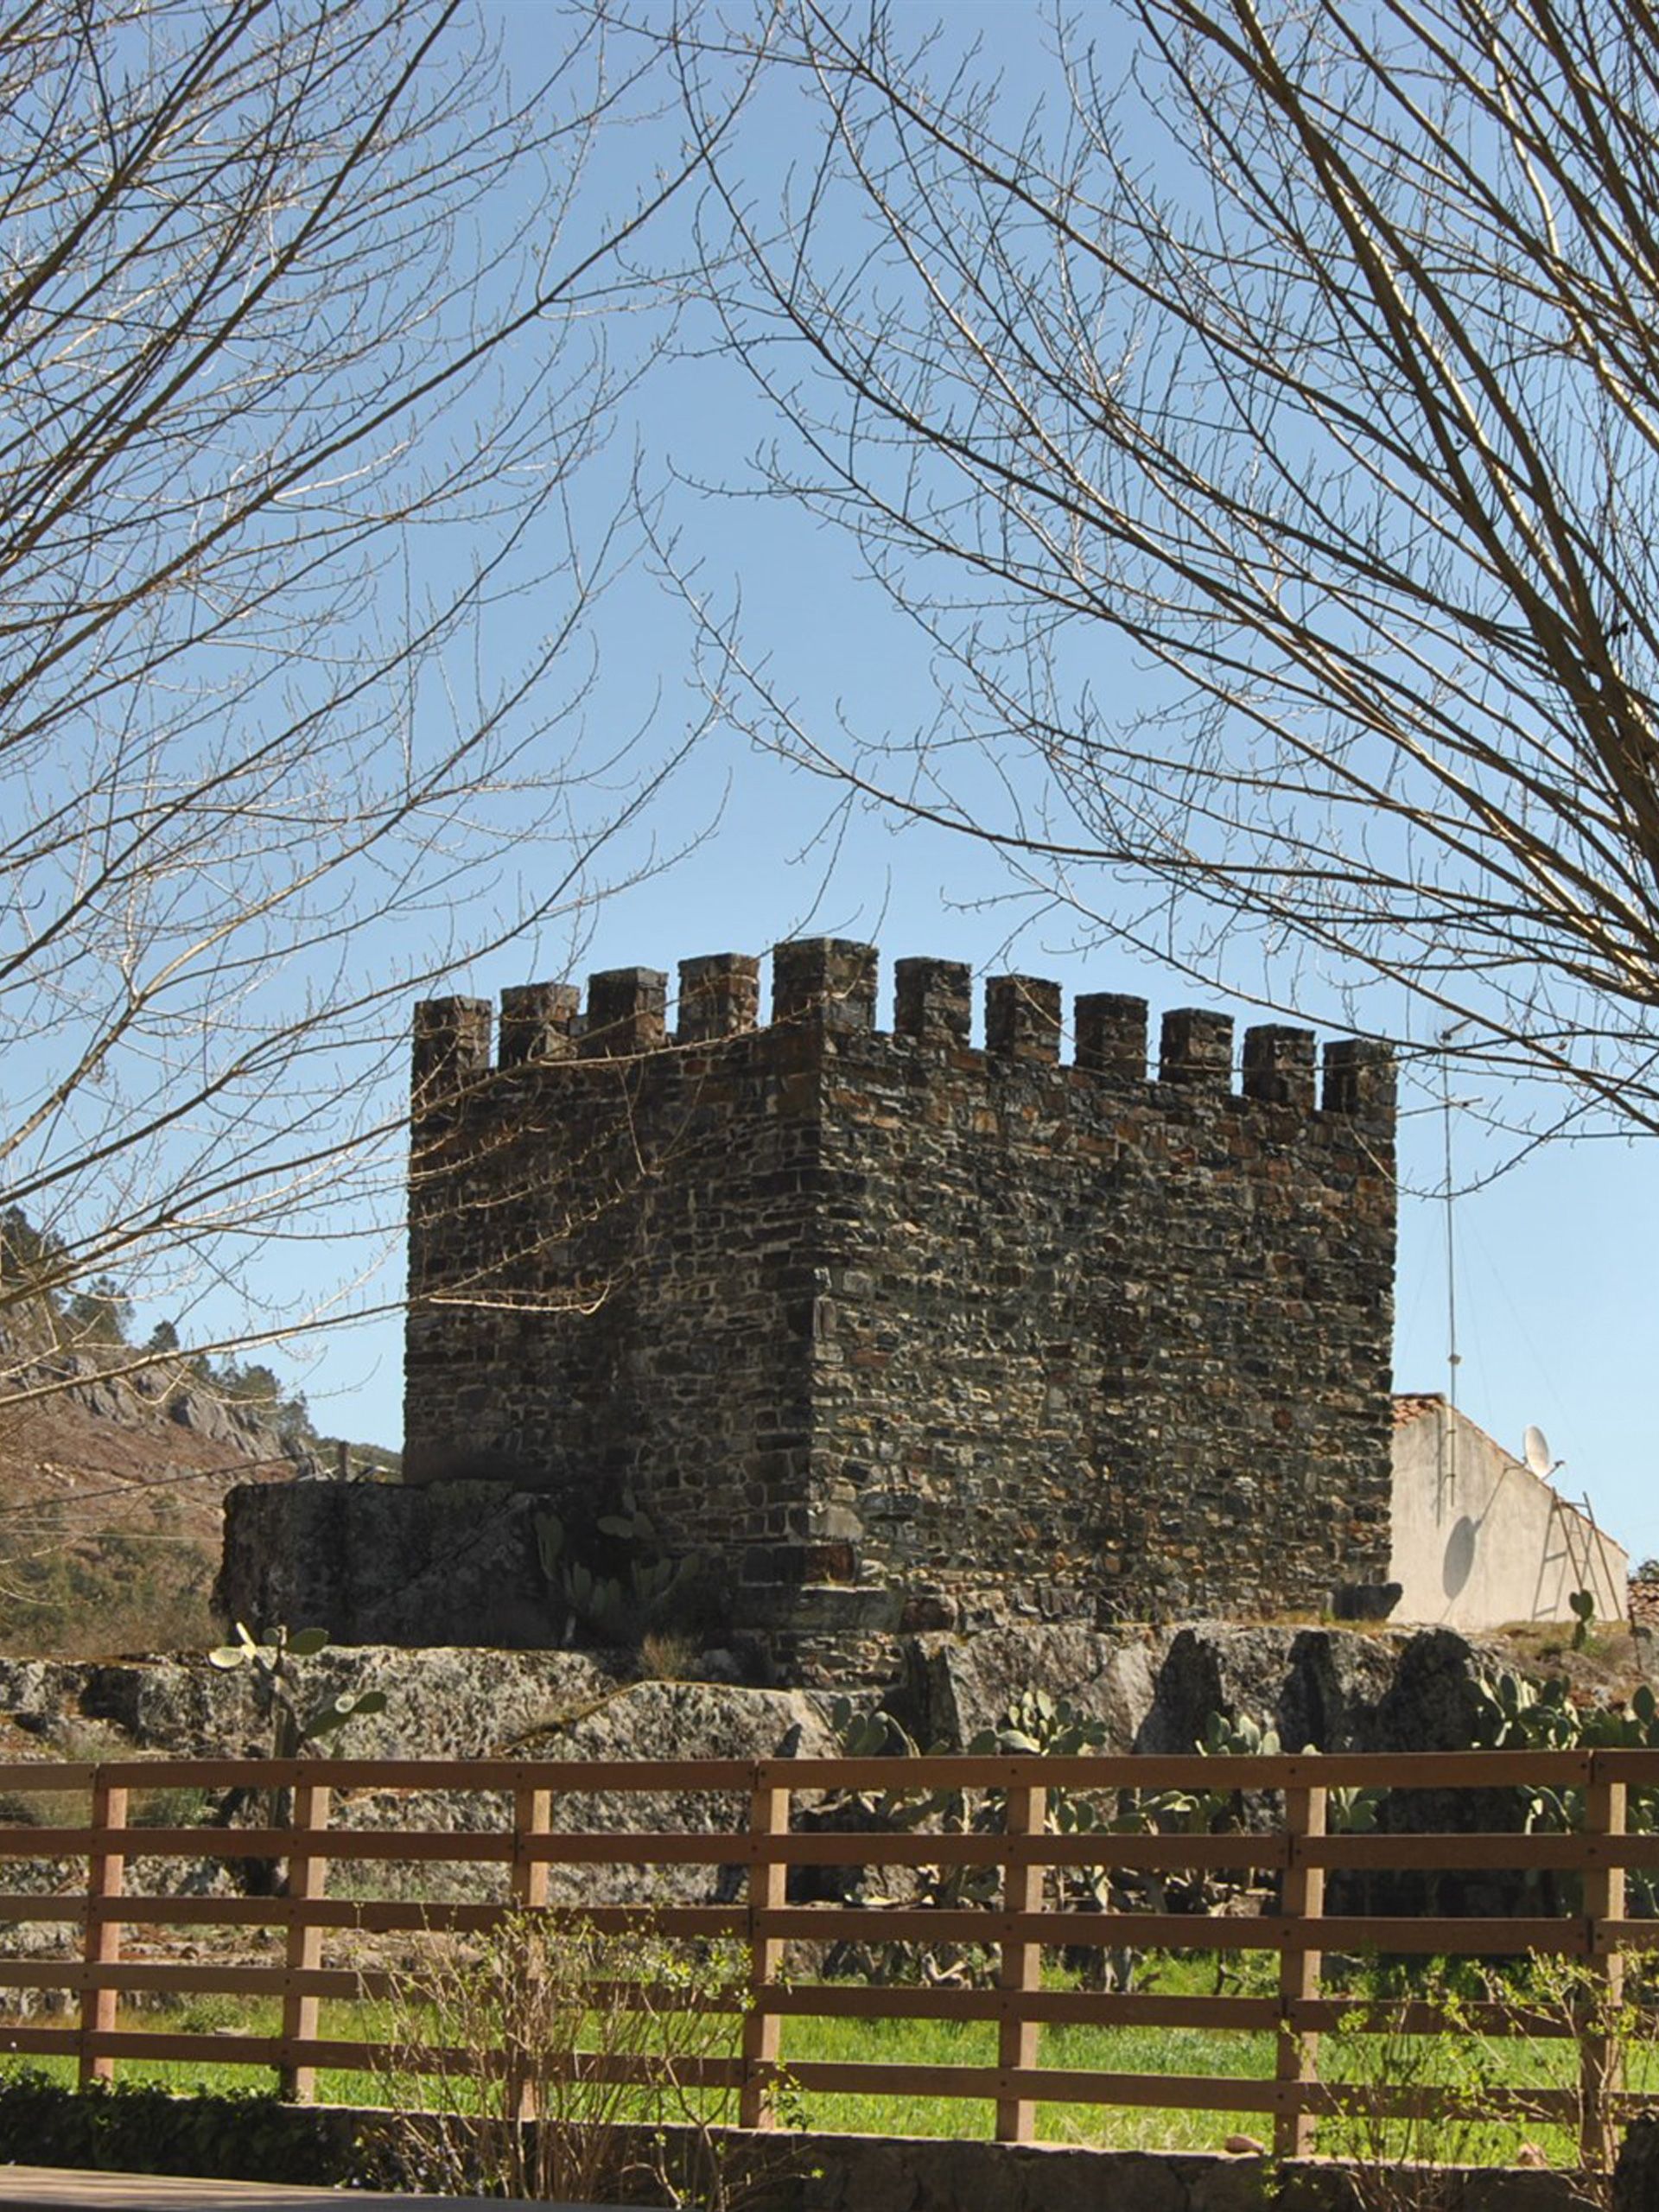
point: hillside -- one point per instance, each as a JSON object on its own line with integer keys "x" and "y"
{"x": 110, "y": 1503}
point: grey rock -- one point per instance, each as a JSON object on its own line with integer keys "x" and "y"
{"x": 1636, "y": 2178}
{"x": 691, "y": 1720}
{"x": 441, "y": 1704}
{"x": 201, "y": 1413}
{"x": 1333, "y": 1685}
{"x": 1335, "y": 1689}
{"x": 457, "y": 1704}
{"x": 1365, "y": 1601}
{"x": 107, "y": 1399}
{"x": 1311, "y": 1686}
{"x": 171, "y": 1389}
{"x": 35, "y": 1692}
{"x": 950, "y": 1686}
{"x": 1431, "y": 1704}
{"x": 676, "y": 1721}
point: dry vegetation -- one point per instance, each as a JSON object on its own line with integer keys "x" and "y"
{"x": 109, "y": 1531}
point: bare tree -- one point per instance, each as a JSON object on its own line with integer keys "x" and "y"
{"x": 1312, "y": 353}
{"x": 305, "y": 355}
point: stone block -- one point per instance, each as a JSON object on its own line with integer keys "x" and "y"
{"x": 1359, "y": 1078}
{"x": 1196, "y": 1047}
{"x": 1022, "y": 1018}
{"x": 626, "y": 1008}
{"x": 451, "y": 1049}
{"x": 827, "y": 980}
{"x": 1111, "y": 1034}
{"x": 538, "y": 1022}
{"x": 1279, "y": 1065}
{"x": 933, "y": 1001}
{"x": 720, "y": 997}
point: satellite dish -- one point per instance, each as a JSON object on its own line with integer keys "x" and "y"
{"x": 1535, "y": 1449}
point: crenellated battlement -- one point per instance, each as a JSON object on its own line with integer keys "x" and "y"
{"x": 901, "y": 1330}
{"x": 831, "y": 984}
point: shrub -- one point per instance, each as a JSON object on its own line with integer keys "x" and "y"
{"x": 496, "y": 2077}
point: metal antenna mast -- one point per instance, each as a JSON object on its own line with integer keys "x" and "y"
{"x": 1449, "y": 1196}
{"x": 1448, "y": 1427}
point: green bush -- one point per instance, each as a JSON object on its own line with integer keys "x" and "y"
{"x": 136, "y": 2128}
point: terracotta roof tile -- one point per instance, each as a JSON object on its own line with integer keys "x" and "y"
{"x": 1410, "y": 1405}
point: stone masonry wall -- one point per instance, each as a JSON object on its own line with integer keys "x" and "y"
{"x": 911, "y": 1332}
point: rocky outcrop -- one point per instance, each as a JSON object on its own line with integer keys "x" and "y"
{"x": 951, "y": 1687}
{"x": 441, "y": 1704}
{"x": 451, "y": 1704}
{"x": 1336, "y": 1689}
{"x": 1635, "y": 2178}
{"x": 103, "y": 1380}
{"x": 1151, "y": 1692}
{"x": 1333, "y": 1688}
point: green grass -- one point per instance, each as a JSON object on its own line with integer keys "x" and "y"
{"x": 881, "y": 2042}
{"x": 1151, "y": 2051}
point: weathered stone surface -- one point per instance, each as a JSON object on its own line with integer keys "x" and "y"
{"x": 1430, "y": 1705}
{"x": 454, "y": 1704}
{"x": 951, "y": 1687}
{"x": 455, "y": 1563}
{"x": 1313, "y": 1686}
{"x": 441, "y": 1704}
{"x": 907, "y": 1334}
{"x": 676, "y": 1720}
{"x": 785, "y": 2171}
{"x": 1636, "y": 2178}
{"x": 1334, "y": 1688}
{"x": 689, "y": 1721}
{"x": 1155, "y": 1690}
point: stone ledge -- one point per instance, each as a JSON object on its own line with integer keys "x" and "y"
{"x": 814, "y": 2172}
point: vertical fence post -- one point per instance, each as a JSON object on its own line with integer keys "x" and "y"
{"x": 532, "y": 1816}
{"x": 308, "y": 1878}
{"x": 768, "y": 1889}
{"x": 106, "y": 1877}
{"x": 1599, "y": 2042}
{"x": 1020, "y": 1970}
{"x": 1302, "y": 1898}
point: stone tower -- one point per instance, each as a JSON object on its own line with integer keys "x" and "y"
{"x": 905, "y": 1331}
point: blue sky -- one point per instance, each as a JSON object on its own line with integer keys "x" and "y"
{"x": 1554, "y": 1255}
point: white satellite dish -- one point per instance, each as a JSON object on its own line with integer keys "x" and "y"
{"x": 1535, "y": 1449}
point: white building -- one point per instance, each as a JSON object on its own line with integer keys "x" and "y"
{"x": 1480, "y": 1540}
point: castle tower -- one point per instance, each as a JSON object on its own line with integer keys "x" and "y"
{"x": 908, "y": 1331}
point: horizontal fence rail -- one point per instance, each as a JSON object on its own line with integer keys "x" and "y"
{"x": 299, "y": 1845}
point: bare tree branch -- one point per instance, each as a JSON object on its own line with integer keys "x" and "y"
{"x": 1310, "y": 353}
{"x": 308, "y": 360}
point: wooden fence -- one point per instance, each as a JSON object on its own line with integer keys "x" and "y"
{"x": 749, "y": 1862}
